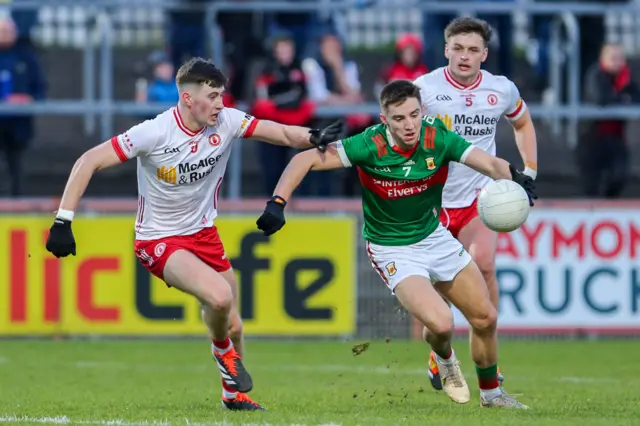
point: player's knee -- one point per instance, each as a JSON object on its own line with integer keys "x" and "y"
{"x": 441, "y": 328}
{"x": 219, "y": 298}
{"x": 486, "y": 320}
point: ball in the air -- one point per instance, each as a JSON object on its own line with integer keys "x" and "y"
{"x": 503, "y": 205}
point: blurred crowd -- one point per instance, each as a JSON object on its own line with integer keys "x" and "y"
{"x": 285, "y": 65}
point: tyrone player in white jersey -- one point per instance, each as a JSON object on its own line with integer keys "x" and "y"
{"x": 471, "y": 101}
{"x": 182, "y": 155}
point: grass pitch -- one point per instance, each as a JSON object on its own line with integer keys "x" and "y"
{"x": 310, "y": 383}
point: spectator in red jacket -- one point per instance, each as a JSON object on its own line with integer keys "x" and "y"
{"x": 408, "y": 64}
{"x": 281, "y": 95}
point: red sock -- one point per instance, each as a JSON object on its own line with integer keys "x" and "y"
{"x": 447, "y": 354}
{"x": 488, "y": 377}
{"x": 222, "y": 344}
{"x": 228, "y": 388}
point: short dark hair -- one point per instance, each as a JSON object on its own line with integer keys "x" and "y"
{"x": 200, "y": 71}
{"x": 397, "y": 92}
{"x": 467, "y": 25}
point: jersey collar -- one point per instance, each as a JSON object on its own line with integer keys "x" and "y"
{"x": 452, "y": 81}
{"x": 182, "y": 126}
{"x": 396, "y": 148}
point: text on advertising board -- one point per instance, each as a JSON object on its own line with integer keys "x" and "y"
{"x": 285, "y": 286}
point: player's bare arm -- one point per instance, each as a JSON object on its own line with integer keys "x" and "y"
{"x": 525, "y": 135}
{"x": 97, "y": 158}
{"x": 296, "y": 136}
{"x": 272, "y": 220}
{"x": 303, "y": 163}
{"x": 497, "y": 168}
{"x": 100, "y": 157}
{"x": 494, "y": 167}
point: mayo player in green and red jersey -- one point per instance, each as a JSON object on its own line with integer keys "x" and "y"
{"x": 402, "y": 165}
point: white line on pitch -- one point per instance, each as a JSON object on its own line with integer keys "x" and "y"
{"x": 65, "y": 420}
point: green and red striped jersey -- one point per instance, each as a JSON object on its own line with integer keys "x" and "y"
{"x": 402, "y": 190}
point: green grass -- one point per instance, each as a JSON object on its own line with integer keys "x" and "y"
{"x": 566, "y": 383}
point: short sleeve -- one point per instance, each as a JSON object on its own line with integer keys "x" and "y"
{"x": 240, "y": 124}
{"x": 456, "y": 148}
{"x": 353, "y": 151}
{"x": 138, "y": 141}
{"x": 516, "y": 106}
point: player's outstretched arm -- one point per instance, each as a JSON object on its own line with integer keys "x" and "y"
{"x": 60, "y": 241}
{"x": 525, "y": 135}
{"x": 497, "y": 168}
{"x": 304, "y": 162}
{"x": 97, "y": 158}
{"x": 272, "y": 220}
{"x": 297, "y": 137}
{"x": 494, "y": 167}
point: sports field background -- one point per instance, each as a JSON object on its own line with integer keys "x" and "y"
{"x": 311, "y": 383}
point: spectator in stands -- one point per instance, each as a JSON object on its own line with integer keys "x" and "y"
{"x": 408, "y": 63}
{"x": 21, "y": 81}
{"x": 281, "y": 95}
{"x": 304, "y": 26}
{"x": 162, "y": 87}
{"x": 603, "y": 154}
{"x": 334, "y": 80}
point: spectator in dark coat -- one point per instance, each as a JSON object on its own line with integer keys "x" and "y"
{"x": 603, "y": 154}
{"x": 281, "y": 95}
{"x": 21, "y": 81}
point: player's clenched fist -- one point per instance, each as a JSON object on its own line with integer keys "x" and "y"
{"x": 272, "y": 219}
{"x": 524, "y": 181}
{"x": 321, "y": 137}
{"x": 60, "y": 241}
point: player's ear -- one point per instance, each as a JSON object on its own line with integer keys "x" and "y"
{"x": 446, "y": 50}
{"x": 186, "y": 98}
{"x": 383, "y": 119}
{"x": 485, "y": 53}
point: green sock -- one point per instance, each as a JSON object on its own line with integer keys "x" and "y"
{"x": 487, "y": 377}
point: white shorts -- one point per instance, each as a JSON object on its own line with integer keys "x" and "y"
{"x": 439, "y": 257}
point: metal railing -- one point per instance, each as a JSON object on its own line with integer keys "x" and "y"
{"x": 104, "y": 107}
{"x": 567, "y": 53}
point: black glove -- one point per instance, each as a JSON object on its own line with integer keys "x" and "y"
{"x": 524, "y": 181}
{"x": 272, "y": 219}
{"x": 60, "y": 241}
{"x": 321, "y": 137}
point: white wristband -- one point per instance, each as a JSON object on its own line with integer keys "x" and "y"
{"x": 65, "y": 214}
{"x": 530, "y": 172}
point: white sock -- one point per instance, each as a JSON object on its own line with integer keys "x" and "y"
{"x": 222, "y": 351}
{"x": 229, "y": 395}
{"x": 450, "y": 360}
{"x": 489, "y": 394}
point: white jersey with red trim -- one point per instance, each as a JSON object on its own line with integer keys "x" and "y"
{"x": 472, "y": 112}
{"x": 180, "y": 171}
